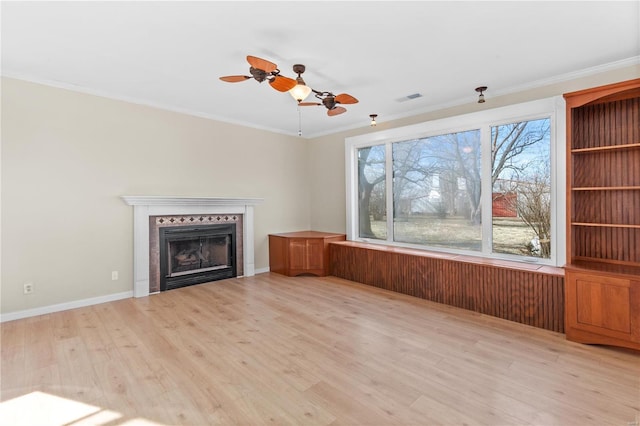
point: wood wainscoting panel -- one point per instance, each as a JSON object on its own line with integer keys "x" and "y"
{"x": 533, "y": 295}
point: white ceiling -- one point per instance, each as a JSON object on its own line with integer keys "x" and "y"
{"x": 170, "y": 54}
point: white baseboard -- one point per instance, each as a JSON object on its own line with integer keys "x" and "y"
{"x": 64, "y": 306}
{"x": 77, "y": 304}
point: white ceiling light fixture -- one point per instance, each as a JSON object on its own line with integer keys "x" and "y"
{"x": 300, "y": 91}
{"x": 480, "y": 90}
{"x": 373, "y": 119}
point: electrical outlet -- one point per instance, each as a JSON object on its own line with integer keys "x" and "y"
{"x": 114, "y": 275}
{"x": 28, "y": 288}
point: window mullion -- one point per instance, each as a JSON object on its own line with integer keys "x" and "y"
{"x": 389, "y": 189}
{"x": 487, "y": 190}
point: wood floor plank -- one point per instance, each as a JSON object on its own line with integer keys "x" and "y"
{"x": 283, "y": 350}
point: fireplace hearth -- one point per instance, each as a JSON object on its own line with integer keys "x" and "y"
{"x": 196, "y": 254}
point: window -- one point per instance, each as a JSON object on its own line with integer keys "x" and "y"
{"x": 372, "y": 205}
{"x": 521, "y": 181}
{"x": 484, "y": 183}
{"x": 436, "y": 191}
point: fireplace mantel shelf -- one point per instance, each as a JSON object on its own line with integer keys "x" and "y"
{"x": 145, "y": 206}
{"x": 159, "y": 200}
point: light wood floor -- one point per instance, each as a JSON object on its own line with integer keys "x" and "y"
{"x": 304, "y": 351}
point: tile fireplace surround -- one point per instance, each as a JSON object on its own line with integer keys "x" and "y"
{"x": 148, "y": 206}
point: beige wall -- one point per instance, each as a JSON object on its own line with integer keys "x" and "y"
{"x": 326, "y": 154}
{"x": 67, "y": 157}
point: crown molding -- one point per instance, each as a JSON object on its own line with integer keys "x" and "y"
{"x": 536, "y": 84}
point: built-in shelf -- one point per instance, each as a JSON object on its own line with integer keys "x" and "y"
{"x": 606, "y": 225}
{"x": 586, "y": 264}
{"x": 602, "y": 274}
{"x": 606, "y": 148}
{"x": 607, "y": 188}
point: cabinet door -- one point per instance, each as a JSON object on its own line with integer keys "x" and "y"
{"x": 315, "y": 254}
{"x": 298, "y": 254}
{"x": 306, "y": 255}
{"x": 278, "y": 255}
{"x": 603, "y": 305}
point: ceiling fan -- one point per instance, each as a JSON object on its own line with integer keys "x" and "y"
{"x": 261, "y": 70}
{"x": 331, "y": 102}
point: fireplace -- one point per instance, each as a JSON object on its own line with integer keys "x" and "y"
{"x": 151, "y": 212}
{"x": 196, "y": 254}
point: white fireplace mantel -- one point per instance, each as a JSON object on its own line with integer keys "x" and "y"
{"x": 145, "y": 206}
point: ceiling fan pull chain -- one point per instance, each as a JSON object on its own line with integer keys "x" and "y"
{"x": 299, "y": 121}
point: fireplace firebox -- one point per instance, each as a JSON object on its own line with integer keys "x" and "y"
{"x": 196, "y": 254}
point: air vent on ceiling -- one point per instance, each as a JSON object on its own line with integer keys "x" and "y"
{"x": 409, "y": 97}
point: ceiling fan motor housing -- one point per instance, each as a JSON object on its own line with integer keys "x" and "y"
{"x": 329, "y": 102}
{"x": 258, "y": 74}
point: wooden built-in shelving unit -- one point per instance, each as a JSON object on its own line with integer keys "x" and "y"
{"x": 602, "y": 280}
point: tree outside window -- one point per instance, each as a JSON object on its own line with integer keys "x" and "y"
{"x": 436, "y": 190}
{"x": 372, "y": 209}
{"x": 521, "y": 182}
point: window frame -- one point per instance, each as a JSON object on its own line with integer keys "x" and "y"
{"x": 553, "y": 108}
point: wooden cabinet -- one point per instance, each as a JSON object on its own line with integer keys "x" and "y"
{"x": 298, "y": 253}
{"x": 602, "y": 307}
{"x": 603, "y": 215}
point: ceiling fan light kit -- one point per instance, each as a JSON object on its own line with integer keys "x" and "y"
{"x": 300, "y": 91}
{"x": 261, "y": 70}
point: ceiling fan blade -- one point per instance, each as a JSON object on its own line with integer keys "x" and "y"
{"x": 336, "y": 111}
{"x": 344, "y": 98}
{"x": 309, "y": 103}
{"x": 261, "y": 64}
{"x": 234, "y": 78}
{"x": 282, "y": 84}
